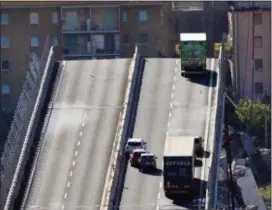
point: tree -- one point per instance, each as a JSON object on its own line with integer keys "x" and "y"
{"x": 253, "y": 115}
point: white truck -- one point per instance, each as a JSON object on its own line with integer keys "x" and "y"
{"x": 179, "y": 163}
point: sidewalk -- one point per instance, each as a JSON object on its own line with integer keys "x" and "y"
{"x": 247, "y": 184}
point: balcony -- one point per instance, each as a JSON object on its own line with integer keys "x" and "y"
{"x": 76, "y": 20}
{"x": 87, "y": 20}
{"x": 75, "y": 45}
{"x": 105, "y": 20}
{"x": 92, "y": 45}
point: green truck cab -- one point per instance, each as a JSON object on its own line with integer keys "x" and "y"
{"x": 193, "y": 49}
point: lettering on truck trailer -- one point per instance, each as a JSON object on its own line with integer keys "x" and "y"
{"x": 177, "y": 163}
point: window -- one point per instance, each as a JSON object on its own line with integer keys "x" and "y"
{"x": 258, "y": 42}
{"x": 34, "y": 41}
{"x": 125, "y": 38}
{"x": 4, "y": 19}
{"x": 5, "y": 89}
{"x": 258, "y": 87}
{"x": 34, "y": 18}
{"x": 257, "y": 18}
{"x": 258, "y": 64}
{"x": 143, "y": 15}
{"x": 4, "y": 42}
{"x": 55, "y": 17}
{"x": 5, "y": 65}
{"x": 124, "y": 16}
{"x": 55, "y": 41}
{"x": 143, "y": 38}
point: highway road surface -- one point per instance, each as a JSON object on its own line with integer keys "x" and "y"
{"x": 72, "y": 165}
{"x": 169, "y": 105}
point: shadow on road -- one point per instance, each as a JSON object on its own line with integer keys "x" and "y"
{"x": 206, "y": 154}
{"x": 157, "y": 172}
{"x": 198, "y": 163}
{"x": 204, "y": 78}
{"x": 203, "y": 154}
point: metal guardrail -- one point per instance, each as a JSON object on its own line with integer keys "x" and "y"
{"x": 13, "y": 157}
{"x": 218, "y": 132}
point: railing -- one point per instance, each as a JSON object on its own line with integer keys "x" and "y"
{"x": 188, "y": 6}
{"x": 218, "y": 132}
{"x": 19, "y": 139}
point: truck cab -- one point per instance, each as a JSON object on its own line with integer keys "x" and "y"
{"x": 193, "y": 53}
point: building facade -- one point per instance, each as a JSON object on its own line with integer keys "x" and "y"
{"x": 251, "y": 37}
{"x": 78, "y": 30}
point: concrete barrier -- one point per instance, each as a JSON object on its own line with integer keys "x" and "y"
{"x": 117, "y": 169}
{"x": 30, "y": 133}
{"x": 41, "y": 128}
{"x": 218, "y": 120}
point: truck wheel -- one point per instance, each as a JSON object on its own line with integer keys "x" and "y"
{"x": 127, "y": 156}
{"x": 168, "y": 195}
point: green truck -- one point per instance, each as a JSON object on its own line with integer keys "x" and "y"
{"x": 193, "y": 51}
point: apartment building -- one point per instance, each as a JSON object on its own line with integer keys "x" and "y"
{"x": 78, "y": 30}
{"x": 250, "y": 33}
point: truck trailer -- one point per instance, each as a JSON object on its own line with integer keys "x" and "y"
{"x": 193, "y": 50}
{"x": 178, "y": 165}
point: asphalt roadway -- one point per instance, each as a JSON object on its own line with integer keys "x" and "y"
{"x": 169, "y": 104}
{"x": 72, "y": 165}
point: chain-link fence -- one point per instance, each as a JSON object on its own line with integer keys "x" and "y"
{"x": 20, "y": 137}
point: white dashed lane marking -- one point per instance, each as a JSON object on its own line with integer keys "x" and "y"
{"x": 74, "y": 163}
{"x": 169, "y": 116}
{"x": 75, "y": 154}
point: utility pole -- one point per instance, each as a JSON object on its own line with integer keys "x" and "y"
{"x": 253, "y": 68}
{"x": 231, "y": 193}
{"x": 229, "y": 160}
{"x": 265, "y": 120}
{"x": 265, "y": 130}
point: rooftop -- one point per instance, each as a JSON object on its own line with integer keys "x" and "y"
{"x": 27, "y": 4}
{"x": 135, "y": 140}
{"x": 193, "y": 37}
{"x": 179, "y": 146}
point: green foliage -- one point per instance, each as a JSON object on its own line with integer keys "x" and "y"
{"x": 266, "y": 192}
{"x": 253, "y": 114}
